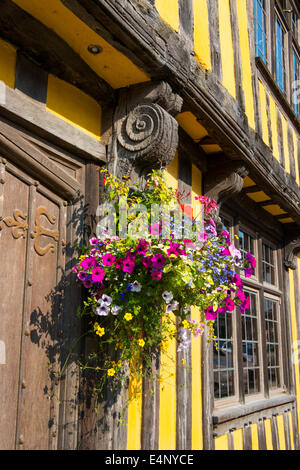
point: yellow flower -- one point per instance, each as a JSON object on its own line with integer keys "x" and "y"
{"x": 111, "y": 372}
{"x": 128, "y": 316}
{"x": 165, "y": 344}
{"x": 183, "y": 361}
{"x": 119, "y": 363}
{"x": 185, "y": 324}
{"x": 159, "y": 379}
{"x": 141, "y": 343}
{"x": 172, "y": 329}
{"x": 100, "y": 331}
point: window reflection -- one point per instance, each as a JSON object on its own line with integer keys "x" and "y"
{"x": 223, "y": 357}
{"x": 251, "y": 366}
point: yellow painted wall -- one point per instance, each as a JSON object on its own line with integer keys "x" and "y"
{"x": 201, "y": 33}
{"x": 226, "y": 42}
{"x": 281, "y": 434}
{"x": 167, "y": 397}
{"x": 74, "y": 106}
{"x": 268, "y": 432}
{"x": 221, "y": 442}
{"x": 134, "y": 413}
{"x": 113, "y": 66}
{"x": 238, "y": 439}
{"x": 295, "y": 333}
{"x": 295, "y": 141}
{"x": 254, "y": 436}
{"x": 273, "y": 117}
{"x": 285, "y": 145}
{"x": 263, "y": 112}
{"x": 7, "y": 63}
{"x": 169, "y": 12}
{"x": 197, "y": 423}
{"x": 246, "y": 61}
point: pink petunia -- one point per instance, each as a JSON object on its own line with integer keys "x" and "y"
{"x": 158, "y": 261}
{"x": 87, "y": 284}
{"x": 128, "y": 265}
{"x": 108, "y": 259}
{"x": 156, "y": 275}
{"x": 147, "y": 263}
{"x": 248, "y": 272}
{"x": 225, "y": 252}
{"x": 251, "y": 260}
{"x": 210, "y": 314}
{"x": 98, "y": 274}
{"x": 229, "y": 303}
{"x": 88, "y": 263}
{"x": 235, "y": 253}
{"x": 202, "y": 236}
{"x": 237, "y": 280}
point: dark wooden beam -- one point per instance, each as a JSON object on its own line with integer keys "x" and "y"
{"x": 50, "y": 52}
{"x": 136, "y": 27}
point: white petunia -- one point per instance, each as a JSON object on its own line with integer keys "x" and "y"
{"x": 115, "y": 309}
{"x": 136, "y": 286}
{"x": 102, "y": 310}
{"x": 167, "y": 296}
{"x": 105, "y": 300}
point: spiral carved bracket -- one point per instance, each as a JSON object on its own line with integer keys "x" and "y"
{"x": 224, "y": 179}
{"x": 146, "y": 133}
{"x": 290, "y": 251}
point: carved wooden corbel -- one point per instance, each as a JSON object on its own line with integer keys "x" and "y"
{"x": 223, "y": 180}
{"x": 145, "y": 132}
{"x": 290, "y": 251}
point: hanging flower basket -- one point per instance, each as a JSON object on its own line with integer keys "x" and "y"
{"x": 140, "y": 288}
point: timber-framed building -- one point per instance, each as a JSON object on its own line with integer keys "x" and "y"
{"x": 220, "y": 82}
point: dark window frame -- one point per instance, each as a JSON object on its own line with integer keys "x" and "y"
{"x": 262, "y": 290}
{"x": 275, "y": 8}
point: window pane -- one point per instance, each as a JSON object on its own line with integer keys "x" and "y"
{"x": 251, "y": 366}
{"x": 272, "y": 342}
{"x": 260, "y": 29}
{"x": 279, "y": 46}
{"x": 295, "y": 82}
{"x": 268, "y": 265}
{"x": 246, "y": 244}
{"x": 223, "y": 357}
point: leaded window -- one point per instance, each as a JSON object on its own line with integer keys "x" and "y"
{"x": 247, "y": 348}
{"x": 280, "y": 54}
{"x": 260, "y": 29}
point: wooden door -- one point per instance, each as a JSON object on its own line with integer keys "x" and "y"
{"x": 32, "y": 240}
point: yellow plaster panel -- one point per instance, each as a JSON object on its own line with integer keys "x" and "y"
{"x": 259, "y": 196}
{"x": 113, "y": 66}
{"x": 285, "y": 144}
{"x": 134, "y": 413}
{"x": 211, "y": 148}
{"x": 7, "y": 63}
{"x": 167, "y": 397}
{"x": 254, "y": 436}
{"x": 287, "y": 220}
{"x": 248, "y": 182}
{"x": 221, "y": 443}
{"x": 295, "y": 333}
{"x": 169, "y": 12}
{"x": 191, "y": 126}
{"x": 281, "y": 433}
{"x": 295, "y": 140}
{"x": 197, "y": 431}
{"x": 291, "y": 430}
{"x": 226, "y": 42}
{"x": 268, "y": 431}
{"x": 246, "y": 61}
{"x": 263, "y": 112}
{"x": 201, "y": 33}
{"x": 273, "y": 117}
{"x": 74, "y": 106}
{"x": 238, "y": 439}
{"x": 274, "y": 209}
